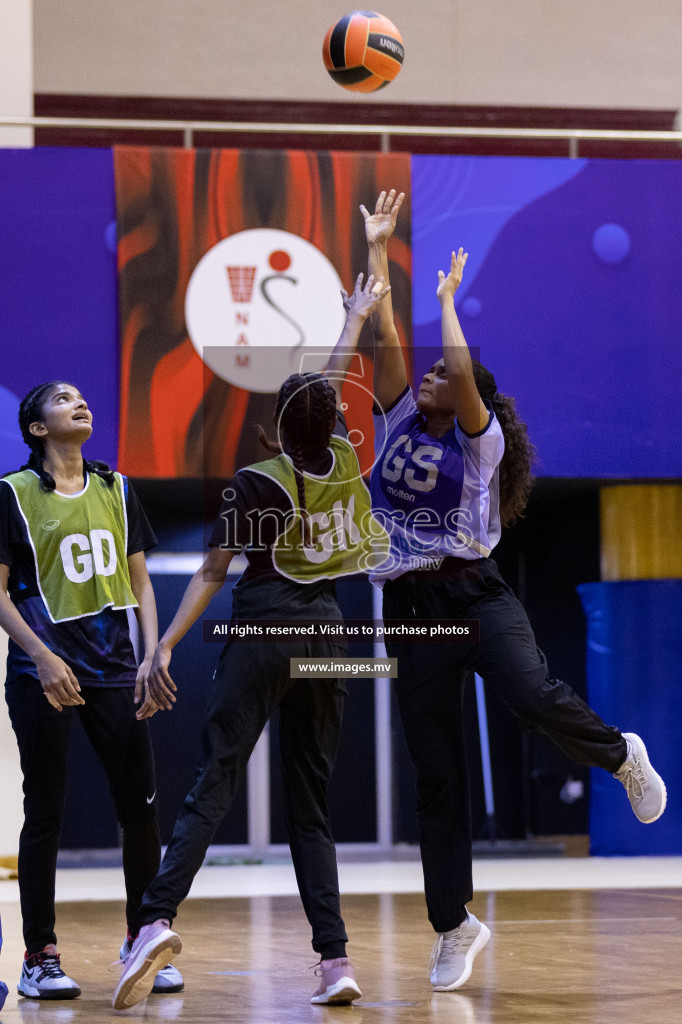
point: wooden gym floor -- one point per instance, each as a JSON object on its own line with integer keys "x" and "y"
{"x": 591, "y": 955}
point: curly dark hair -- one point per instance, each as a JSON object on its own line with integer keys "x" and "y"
{"x": 30, "y": 410}
{"x": 305, "y": 414}
{"x": 516, "y": 477}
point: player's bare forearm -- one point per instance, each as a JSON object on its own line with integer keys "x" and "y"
{"x": 456, "y": 355}
{"x": 358, "y": 307}
{"x": 470, "y": 410}
{"x": 13, "y": 624}
{"x": 56, "y": 678}
{"x": 146, "y": 603}
{"x": 390, "y": 376}
{"x": 203, "y": 586}
{"x": 343, "y": 353}
{"x": 346, "y": 346}
{"x": 382, "y": 319}
{"x": 15, "y": 627}
{"x": 195, "y": 601}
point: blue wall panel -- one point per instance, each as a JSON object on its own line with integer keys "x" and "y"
{"x": 572, "y": 294}
{"x": 58, "y": 287}
{"x": 634, "y": 676}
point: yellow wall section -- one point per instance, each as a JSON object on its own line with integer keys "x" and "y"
{"x": 641, "y": 531}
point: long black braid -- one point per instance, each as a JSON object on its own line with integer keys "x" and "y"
{"x": 305, "y": 414}
{"x": 30, "y": 410}
{"x": 516, "y": 477}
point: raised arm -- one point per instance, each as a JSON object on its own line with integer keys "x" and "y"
{"x": 390, "y": 376}
{"x": 358, "y": 307}
{"x": 471, "y": 413}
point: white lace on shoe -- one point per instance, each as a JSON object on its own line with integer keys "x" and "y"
{"x": 435, "y": 953}
{"x": 645, "y": 788}
{"x": 453, "y": 953}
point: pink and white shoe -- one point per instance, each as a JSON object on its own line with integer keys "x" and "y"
{"x": 168, "y": 979}
{"x": 153, "y": 949}
{"x": 338, "y": 986}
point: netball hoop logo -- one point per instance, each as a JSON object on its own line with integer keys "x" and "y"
{"x": 256, "y": 300}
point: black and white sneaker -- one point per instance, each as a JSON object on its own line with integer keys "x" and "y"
{"x": 43, "y": 978}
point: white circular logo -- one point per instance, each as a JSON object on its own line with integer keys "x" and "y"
{"x": 263, "y": 304}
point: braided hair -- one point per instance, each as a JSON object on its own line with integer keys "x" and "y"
{"x": 305, "y": 414}
{"x": 516, "y": 477}
{"x": 30, "y": 410}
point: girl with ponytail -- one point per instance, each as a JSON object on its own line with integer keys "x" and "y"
{"x": 305, "y": 415}
{"x": 301, "y": 519}
{"x": 72, "y": 544}
{"x": 30, "y": 412}
{"x": 455, "y": 460}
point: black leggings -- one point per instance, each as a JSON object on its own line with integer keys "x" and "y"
{"x": 250, "y": 681}
{"x": 429, "y": 692}
{"x": 123, "y": 748}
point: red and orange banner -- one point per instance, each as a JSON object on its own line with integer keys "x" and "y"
{"x": 230, "y": 264}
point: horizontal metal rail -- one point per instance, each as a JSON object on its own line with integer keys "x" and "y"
{"x": 188, "y": 128}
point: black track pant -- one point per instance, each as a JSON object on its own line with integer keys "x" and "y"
{"x": 429, "y": 691}
{"x": 250, "y": 681}
{"x": 123, "y": 747}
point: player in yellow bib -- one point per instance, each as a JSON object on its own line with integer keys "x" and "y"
{"x": 343, "y": 536}
{"x": 72, "y": 543}
{"x": 303, "y": 519}
{"x": 79, "y": 544}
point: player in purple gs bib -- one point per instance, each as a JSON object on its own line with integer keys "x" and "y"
{"x": 453, "y": 466}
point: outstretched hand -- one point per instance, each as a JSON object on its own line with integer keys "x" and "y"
{"x": 447, "y": 286}
{"x": 380, "y": 225}
{"x": 363, "y": 300}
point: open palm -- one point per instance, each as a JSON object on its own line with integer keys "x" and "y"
{"x": 447, "y": 286}
{"x": 380, "y": 225}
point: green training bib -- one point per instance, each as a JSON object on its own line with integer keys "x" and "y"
{"x": 79, "y": 544}
{"x": 345, "y": 536}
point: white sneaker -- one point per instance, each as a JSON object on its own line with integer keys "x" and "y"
{"x": 453, "y": 954}
{"x": 153, "y": 948}
{"x": 645, "y": 787}
{"x": 43, "y": 978}
{"x": 167, "y": 980}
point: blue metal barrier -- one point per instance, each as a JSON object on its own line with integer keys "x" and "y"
{"x": 634, "y": 678}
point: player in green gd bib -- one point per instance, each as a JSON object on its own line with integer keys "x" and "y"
{"x": 303, "y": 519}
{"x": 72, "y": 543}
